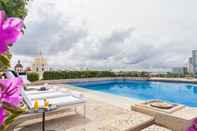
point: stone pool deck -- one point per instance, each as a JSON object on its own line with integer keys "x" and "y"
{"x": 181, "y": 80}
{"x": 177, "y": 121}
{"x": 101, "y": 116}
{"x": 105, "y": 112}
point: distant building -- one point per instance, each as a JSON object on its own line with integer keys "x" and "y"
{"x": 179, "y": 70}
{"x": 18, "y": 67}
{"x": 28, "y": 69}
{"x": 194, "y": 61}
{"x": 39, "y": 64}
{"x": 190, "y": 65}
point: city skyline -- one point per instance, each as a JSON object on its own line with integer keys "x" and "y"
{"x": 156, "y": 35}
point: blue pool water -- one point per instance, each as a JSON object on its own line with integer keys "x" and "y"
{"x": 183, "y": 93}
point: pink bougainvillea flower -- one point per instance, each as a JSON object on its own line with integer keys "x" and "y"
{"x": 10, "y": 93}
{"x": 195, "y": 123}
{"x": 10, "y": 31}
{"x": 2, "y": 115}
{"x": 191, "y": 129}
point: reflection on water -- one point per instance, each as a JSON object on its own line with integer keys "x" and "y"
{"x": 189, "y": 87}
{"x": 195, "y": 89}
{"x": 192, "y": 88}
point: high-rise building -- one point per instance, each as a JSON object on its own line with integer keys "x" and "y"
{"x": 194, "y": 60}
{"x": 179, "y": 70}
{"x": 190, "y": 65}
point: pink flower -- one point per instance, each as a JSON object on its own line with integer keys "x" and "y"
{"x": 10, "y": 93}
{"x": 195, "y": 123}
{"x": 2, "y": 115}
{"x": 191, "y": 129}
{"x": 10, "y": 31}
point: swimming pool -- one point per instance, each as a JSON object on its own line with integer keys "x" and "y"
{"x": 183, "y": 93}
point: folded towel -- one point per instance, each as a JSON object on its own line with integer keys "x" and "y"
{"x": 77, "y": 94}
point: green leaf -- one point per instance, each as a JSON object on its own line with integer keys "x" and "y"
{"x": 5, "y": 60}
{"x": 14, "y": 8}
{"x": 14, "y": 112}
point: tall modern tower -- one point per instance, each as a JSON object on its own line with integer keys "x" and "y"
{"x": 190, "y": 65}
{"x": 194, "y": 60}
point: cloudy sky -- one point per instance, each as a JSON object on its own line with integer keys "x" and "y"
{"x": 109, "y": 34}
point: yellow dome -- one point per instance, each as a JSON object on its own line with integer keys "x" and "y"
{"x": 39, "y": 64}
{"x": 40, "y": 60}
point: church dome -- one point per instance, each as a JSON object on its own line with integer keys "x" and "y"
{"x": 39, "y": 64}
{"x": 19, "y": 65}
{"x": 40, "y": 59}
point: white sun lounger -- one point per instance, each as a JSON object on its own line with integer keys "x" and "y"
{"x": 61, "y": 99}
{"x": 54, "y": 97}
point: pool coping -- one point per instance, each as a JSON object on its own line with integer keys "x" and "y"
{"x": 159, "y": 79}
{"x": 174, "y": 80}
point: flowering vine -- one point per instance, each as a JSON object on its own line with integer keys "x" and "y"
{"x": 10, "y": 31}
{"x": 12, "y": 14}
{"x": 10, "y": 99}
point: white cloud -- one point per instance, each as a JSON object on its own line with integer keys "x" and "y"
{"x": 133, "y": 34}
